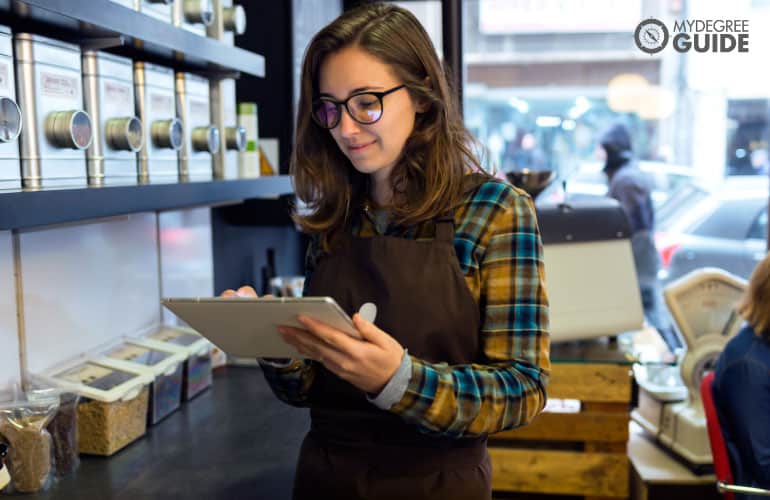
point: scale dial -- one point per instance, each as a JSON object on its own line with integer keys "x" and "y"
{"x": 703, "y": 303}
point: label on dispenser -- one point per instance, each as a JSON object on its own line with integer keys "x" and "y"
{"x": 58, "y": 85}
{"x": 118, "y": 93}
{"x": 5, "y": 78}
{"x": 162, "y": 104}
{"x": 96, "y": 376}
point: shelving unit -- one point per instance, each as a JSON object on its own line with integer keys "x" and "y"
{"x": 25, "y": 209}
{"x": 103, "y": 24}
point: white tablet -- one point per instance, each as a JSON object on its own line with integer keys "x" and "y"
{"x": 248, "y": 327}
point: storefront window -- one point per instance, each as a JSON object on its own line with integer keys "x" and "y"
{"x": 544, "y": 79}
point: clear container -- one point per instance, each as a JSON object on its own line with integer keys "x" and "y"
{"x": 165, "y": 367}
{"x": 23, "y": 420}
{"x": 63, "y": 427}
{"x": 113, "y": 408}
{"x": 197, "y": 367}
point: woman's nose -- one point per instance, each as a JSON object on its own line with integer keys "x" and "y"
{"x": 348, "y": 126}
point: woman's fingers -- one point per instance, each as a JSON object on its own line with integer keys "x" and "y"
{"x": 329, "y": 335}
{"x": 247, "y": 291}
{"x": 309, "y": 345}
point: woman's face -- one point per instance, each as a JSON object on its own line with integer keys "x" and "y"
{"x": 373, "y": 148}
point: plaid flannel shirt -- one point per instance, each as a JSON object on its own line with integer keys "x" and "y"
{"x": 498, "y": 245}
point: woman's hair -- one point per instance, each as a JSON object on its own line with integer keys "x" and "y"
{"x": 755, "y": 306}
{"x": 428, "y": 176}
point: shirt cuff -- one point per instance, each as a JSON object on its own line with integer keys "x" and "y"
{"x": 395, "y": 389}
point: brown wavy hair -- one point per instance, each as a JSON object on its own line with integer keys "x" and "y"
{"x": 755, "y": 306}
{"x": 427, "y": 179}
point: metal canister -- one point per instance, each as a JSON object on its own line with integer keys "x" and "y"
{"x": 233, "y": 136}
{"x": 159, "y": 9}
{"x": 10, "y": 116}
{"x": 229, "y": 20}
{"x": 202, "y": 139}
{"x": 108, "y": 84}
{"x": 57, "y": 130}
{"x": 163, "y": 132}
{"x": 193, "y": 15}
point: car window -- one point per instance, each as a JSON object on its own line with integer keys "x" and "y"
{"x": 758, "y": 230}
{"x": 681, "y": 199}
{"x": 731, "y": 219}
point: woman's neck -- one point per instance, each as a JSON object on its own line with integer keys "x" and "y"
{"x": 381, "y": 192}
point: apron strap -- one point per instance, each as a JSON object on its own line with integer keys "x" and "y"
{"x": 445, "y": 228}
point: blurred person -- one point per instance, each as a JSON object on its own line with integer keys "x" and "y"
{"x": 632, "y": 188}
{"x": 742, "y": 387}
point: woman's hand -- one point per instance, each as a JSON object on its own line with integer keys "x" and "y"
{"x": 367, "y": 364}
{"x": 247, "y": 291}
{"x": 244, "y": 291}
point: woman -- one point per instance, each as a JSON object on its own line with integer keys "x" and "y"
{"x": 742, "y": 386}
{"x": 452, "y": 259}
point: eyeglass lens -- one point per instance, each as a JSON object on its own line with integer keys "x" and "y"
{"x": 363, "y": 108}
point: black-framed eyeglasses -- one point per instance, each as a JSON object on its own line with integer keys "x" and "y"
{"x": 364, "y": 107}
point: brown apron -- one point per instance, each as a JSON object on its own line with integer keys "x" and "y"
{"x": 355, "y": 450}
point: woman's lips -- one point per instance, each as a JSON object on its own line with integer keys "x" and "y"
{"x": 359, "y": 148}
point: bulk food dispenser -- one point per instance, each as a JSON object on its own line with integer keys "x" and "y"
{"x": 10, "y": 116}
{"x": 193, "y": 15}
{"x": 56, "y": 128}
{"x": 224, "y": 115}
{"x": 108, "y": 82}
{"x": 163, "y": 365}
{"x": 202, "y": 139}
{"x": 163, "y": 133}
{"x": 113, "y": 408}
{"x": 197, "y": 352}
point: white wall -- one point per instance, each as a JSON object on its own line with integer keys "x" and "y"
{"x": 9, "y": 346}
{"x": 186, "y": 256}
{"x": 86, "y": 284}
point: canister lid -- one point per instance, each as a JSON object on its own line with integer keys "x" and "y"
{"x": 155, "y": 361}
{"x": 182, "y": 338}
{"x": 100, "y": 380}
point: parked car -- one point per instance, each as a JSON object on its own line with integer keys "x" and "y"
{"x": 589, "y": 181}
{"x": 725, "y": 227}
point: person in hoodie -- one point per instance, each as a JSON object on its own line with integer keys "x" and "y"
{"x": 632, "y": 189}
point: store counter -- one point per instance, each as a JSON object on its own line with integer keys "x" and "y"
{"x": 235, "y": 440}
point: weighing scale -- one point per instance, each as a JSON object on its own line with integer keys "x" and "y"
{"x": 702, "y": 304}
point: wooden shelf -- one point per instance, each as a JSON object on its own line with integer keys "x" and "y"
{"x": 25, "y": 209}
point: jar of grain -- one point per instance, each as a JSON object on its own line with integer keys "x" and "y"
{"x": 163, "y": 365}
{"x": 112, "y": 411}
{"x": 197, "y": 351}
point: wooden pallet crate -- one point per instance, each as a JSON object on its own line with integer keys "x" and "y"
{"x": 580, "y": 453}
